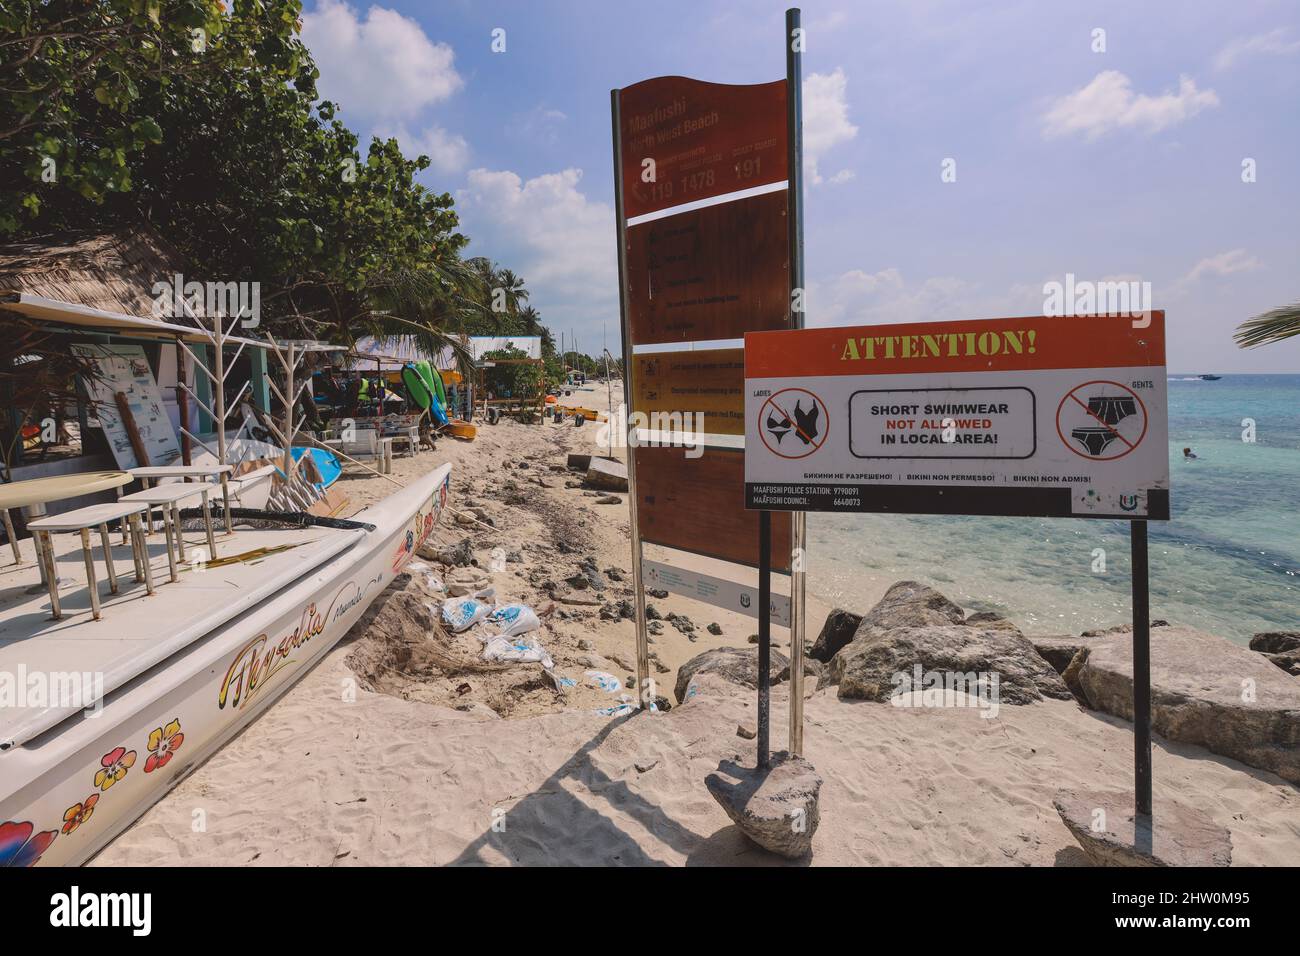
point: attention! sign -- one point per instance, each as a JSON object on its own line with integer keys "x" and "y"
{"x": 1046, "y": 417}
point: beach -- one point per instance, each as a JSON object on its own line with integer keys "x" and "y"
{"x": 380, "y": 757}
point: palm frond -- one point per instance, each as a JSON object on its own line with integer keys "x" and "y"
{"x": 1272, "y": 326}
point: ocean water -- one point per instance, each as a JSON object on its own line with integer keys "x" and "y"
{"x": 1228, "y": 562}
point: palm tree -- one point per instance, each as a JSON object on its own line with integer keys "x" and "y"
{"x": 1272, "y": 326}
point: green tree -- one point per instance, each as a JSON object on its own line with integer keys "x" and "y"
{"x": 75, "y": 79}
{"x": 1273, "y": 326}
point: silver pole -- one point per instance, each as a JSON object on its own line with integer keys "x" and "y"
{"x": 642, "y": 641}
{"x": 798, "y": 536}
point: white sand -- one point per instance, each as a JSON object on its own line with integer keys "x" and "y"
{"x": 382, "y": 780}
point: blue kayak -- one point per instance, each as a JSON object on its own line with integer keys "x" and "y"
{"x": 326, "y": 462}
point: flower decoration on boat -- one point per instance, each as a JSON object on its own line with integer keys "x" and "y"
{"x": 79, "y": 813}
{"x": 113, "y": 767}
{"x": 163, "y": 742}
{"x": 18, "y": 847}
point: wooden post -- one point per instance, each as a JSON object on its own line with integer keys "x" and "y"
{"x": 132, "y": 432}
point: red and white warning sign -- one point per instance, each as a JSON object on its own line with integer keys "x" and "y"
{"x": 1035, "y": 416}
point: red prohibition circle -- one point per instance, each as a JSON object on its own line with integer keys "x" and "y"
{"x": 1146, "y": 419}
{"x": 771, "y": 400}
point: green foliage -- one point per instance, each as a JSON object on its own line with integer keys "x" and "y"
{"x": 1276, "y": 325}
{"x": 521, "y": 382}
{"x": 78, "y": 76}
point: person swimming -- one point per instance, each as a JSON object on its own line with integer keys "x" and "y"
{"x": 1188, "y": 454}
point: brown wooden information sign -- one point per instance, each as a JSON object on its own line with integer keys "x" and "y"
{"x": 712, "y": 273}
{"x": 706, "y": 387}
{"x": 698, "y": 505}
{"x": 685, "y": 140}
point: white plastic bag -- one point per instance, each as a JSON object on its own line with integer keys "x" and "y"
{"x": 520, "y": 650}
{"x": 514, "y": 619}
{"x": 460, "y": 614}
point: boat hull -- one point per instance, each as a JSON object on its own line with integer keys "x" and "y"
{"x": 84, "y": 781}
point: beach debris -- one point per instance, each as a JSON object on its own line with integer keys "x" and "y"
{"x": 656, "y": 593}
{"x": 514, "y": 619}
{"x": 603, "y": 680}
{"x": 655, "y": 627}
{"x": 609, "y": 500}
{"x": 715, "y": 629}
{"x": 614, "y": 574}
{"x": 752, "y": 639}
{"x": 652, "y": 613}
{"x": 607, "y": 475}
{"x": 585, "y": 645}
{"x": 645, "y": 766}
{"x": 837, "y": 631}
{"x": 517, "y": 650}
{"x": 736, "y": 665}
{"x": 460, "y": 614}
{"x": 746, "y": 731}
{"x": 626, "y": 705}
{"x": 1205, "y": 690}
{"x": 434, "y": 583}
{"x": 1111, "y": 834}
{"x": 777, "y": 808}
{"x": 463, "y": 688}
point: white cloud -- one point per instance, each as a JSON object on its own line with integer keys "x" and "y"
{"x": 825, "y": 121}
{"x": 381, "y": 67}
{"x": 1108, "y": 103}
{"x": 1274, "y": 43}
{"x": 858, "y": 297}
{"x": 1224, "y": 264}
{"x": 547, "y": 231}
{"x": 448, "y": 152}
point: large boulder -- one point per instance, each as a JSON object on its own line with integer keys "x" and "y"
{"x": 909, "y": 604}
{"x": 777, "y": 808}
{"x": 1111, "y": 833}
{"x": 914, "y": 625}
{"x": 1058, "y": 650}
{"x": 737, "y": 665}
{"x": 867, "y": 669}
{"x": 838, "y": 630}
{"x": 1205, "y": 690}
{"x": 1276, "y": 642}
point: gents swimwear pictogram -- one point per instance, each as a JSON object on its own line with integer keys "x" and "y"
{"x": 793, "y": 423}
{"x": 1103, "y": 420}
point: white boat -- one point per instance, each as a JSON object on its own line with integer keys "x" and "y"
{"x": 173, "y": 676}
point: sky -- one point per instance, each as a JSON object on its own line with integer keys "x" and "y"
{"x": 1107, "y": 140}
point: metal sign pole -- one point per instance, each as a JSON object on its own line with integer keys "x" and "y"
{"x": 638, "y": 585}
{"x": 1141, "y": 670}
{"x": 798, "y": 537}
{"x": 764, "y": 634}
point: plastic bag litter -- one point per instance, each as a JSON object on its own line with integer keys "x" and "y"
{"x": 515, "y": 619}
{"x": 626, "y": 705}
{"x": 433, "y": 582}
{"x": 460, "y": 614}
{"x": 416, "y": 566}
{"x": 602, "y": 680}
{"x": 520, "y": 649}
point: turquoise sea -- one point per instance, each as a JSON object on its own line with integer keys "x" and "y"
{"x": 1228, "y": 562}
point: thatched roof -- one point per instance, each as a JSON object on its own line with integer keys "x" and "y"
{"x": 114, "y": 273}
